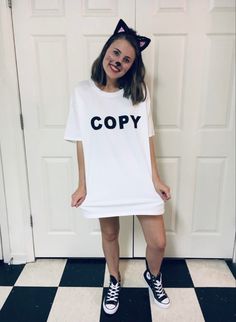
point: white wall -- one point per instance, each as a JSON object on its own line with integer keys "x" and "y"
{"x": 15, "y": 220}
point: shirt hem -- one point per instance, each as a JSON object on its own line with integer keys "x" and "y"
{"x": 70, "y": 139}
{"x": 159, "y": 210}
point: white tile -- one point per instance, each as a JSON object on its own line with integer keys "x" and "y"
{"x": 184, "y": 307}
{"x": 4, "y": 292}
{"x": 73, "y": 304}
{"x": 210, "y": 273}
{"x": 43, "y": 272}
{"x": 131, "y": 273}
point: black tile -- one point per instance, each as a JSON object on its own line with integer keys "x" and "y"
{"x": 175, "y": 273}
{"x": 218, "y": 304}
{"x": 87, "y": 272}
{"x": 134, "y": 306}
{"x": 9, "y": 273}
{"x": 232, "y": 266}
{"x": 28, "y": 304}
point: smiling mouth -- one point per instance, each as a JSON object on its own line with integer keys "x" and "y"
{"x": 114, "y": 68}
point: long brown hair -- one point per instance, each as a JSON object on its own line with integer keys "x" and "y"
{"x": 133, "y": 81}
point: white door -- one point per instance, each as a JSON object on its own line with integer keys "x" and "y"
{"x": 56, "y": 42}
{"x": 191, "y": 73}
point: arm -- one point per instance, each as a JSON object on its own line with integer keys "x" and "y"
{"x": 80, "y": 193}
{"x": 155, "y": 174}
{"x": 161, "y": 188}
{"x": 81, "y": 166}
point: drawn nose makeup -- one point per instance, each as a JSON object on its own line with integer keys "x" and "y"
{"x": 117, "y": 63}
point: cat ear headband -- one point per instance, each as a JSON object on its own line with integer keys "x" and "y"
{"x": 121, "y": 27}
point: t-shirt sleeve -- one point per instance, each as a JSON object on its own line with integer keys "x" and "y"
{"x": 151, "y": 129}
{"x": 73, "y": 127}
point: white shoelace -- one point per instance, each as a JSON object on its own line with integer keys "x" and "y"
{"x": 113, "y": 292}
{"x": 159, "y": 289}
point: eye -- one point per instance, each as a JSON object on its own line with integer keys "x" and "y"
{"x": 116, "y": 52}
{"x": 126, "y": 60}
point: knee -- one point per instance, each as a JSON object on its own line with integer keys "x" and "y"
{"x": 158, "y": 245}
{"x": 110, "y": 235}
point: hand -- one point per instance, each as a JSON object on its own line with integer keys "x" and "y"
{"x": 78, "y": 197}
{"x": 162, "y": 189}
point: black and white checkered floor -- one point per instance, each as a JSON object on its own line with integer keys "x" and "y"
{"x": 71, "y": 290}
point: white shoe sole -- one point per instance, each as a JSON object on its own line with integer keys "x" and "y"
{"x": 109, "y": 311}
{"x": 163, "y": 306}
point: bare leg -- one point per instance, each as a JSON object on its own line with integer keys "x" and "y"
{"x": 154, "y": 233}
{"x": 110, "y": 232}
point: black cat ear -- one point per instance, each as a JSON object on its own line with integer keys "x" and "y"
{"x": 143, "y": 42}
{"x": 121, "y": 27}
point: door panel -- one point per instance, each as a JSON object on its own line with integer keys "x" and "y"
{"x": 190, "y": 66}
{"x": 56, "y": 42}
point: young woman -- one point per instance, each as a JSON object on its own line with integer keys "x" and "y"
{"x": 110, "y": 118}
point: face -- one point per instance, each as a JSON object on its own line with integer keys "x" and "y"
{"x": 118, "y": 59}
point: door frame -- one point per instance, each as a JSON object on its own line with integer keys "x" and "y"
{"x": 16, "y": 230}
{"x": 4, "y": 228}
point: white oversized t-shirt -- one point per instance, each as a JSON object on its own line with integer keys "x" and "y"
{"x": 115, "y": 136}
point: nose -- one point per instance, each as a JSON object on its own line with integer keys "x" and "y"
{"x": 117, "y": 63}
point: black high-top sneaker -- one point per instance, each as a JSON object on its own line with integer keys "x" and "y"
{"x": 111, "y": 300}
{"x": 155, "y": 285}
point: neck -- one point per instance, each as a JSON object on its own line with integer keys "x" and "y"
{"x": 111, "y": 86}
